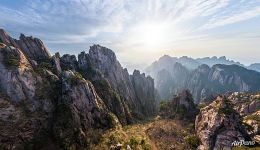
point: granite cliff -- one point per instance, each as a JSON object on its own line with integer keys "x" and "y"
{"x": 61, "y": 102}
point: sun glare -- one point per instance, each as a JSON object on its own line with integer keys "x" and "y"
{"x": 151, "y": 35}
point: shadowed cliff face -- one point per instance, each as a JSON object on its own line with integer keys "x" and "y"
{"x": 116, "y": 86}
{"x": 59, "y": 102}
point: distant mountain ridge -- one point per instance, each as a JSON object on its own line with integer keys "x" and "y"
{"x": 192, "y": 63}
{"x": 255, "y": 66}
{"x": 202, "y": 77}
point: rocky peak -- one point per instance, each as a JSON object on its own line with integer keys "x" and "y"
{"x": 83, "y": 61}
{"x": 103, "y": 58}
{"x": 180, "y": 107}
{"x": 185, "y": 99}
{"x": 33, "y": 47}
{"x": 184, "y": 105}
{"x": 6, "y": 39}
{"x": 165, "y": 58}
{"x": 145, "y": 92}
{"x": 56, "y": 63}
{"x": 203, "y": 68}
{"x": 69, "y": 62}
{"x": 137, "y": 73}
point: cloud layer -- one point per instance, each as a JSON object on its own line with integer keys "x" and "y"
{"x": 115, "y": 23}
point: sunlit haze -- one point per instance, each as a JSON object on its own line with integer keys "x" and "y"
{"x": 140, "y": 31}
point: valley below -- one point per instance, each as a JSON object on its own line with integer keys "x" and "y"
{"x": 154, "y": 134}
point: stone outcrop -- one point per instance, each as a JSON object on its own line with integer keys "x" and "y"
{"x": 180, "y": 107}
{"x": 25, "y": 99}
{"x": 218, "y": 125}
{"x": 33, "y": 48}
{"x": 248, "y": 106}
{"x": 102, "y": 68}
{"x": 69, "y": 62}
{"x": 145, "y": 93}
{"x": 56, "y": 64}
{"x": 16, "y": 76}
{"x": 81, "y": 109}
{"x": 6, "y": 39}
{"x": 104, "y": 60}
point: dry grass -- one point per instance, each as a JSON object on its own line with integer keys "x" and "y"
{"x": 157, "y": 134}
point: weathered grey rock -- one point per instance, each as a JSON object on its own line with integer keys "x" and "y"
{"x": 104, "y": 61}
{"x": 42, "y": 96}
{"x": 83, "y": 61}
{"x": 145, "y": 93}
{"x": 56, "y": 63}
{"x": 16, "y": 77}
{"x": 219, "y": 125}
{"x": 81, "y": 109}
{"x": 69, "y": 62}
{"x": 33, "y": 48}
{"x": 115, "y": 102}
{"x": 26, "y": 107}
{"x": 180, "y": 107}
{"x": 6, "y": 39}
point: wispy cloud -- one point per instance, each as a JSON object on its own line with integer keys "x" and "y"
{"x": 234, "y": 17}
{"x": 118, "y": 22}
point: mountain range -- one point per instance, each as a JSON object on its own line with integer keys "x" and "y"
{"x": 204, "y": 77}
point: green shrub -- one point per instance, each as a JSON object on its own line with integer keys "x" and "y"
{"x": 76, "y": 79}
{"x": 227, "y": 108}
{"x": 192, "y": 141}
{"x": 202, "y": 105}
{"x": 45, "y": 65}
{"x": 164, "y": 105}
{"x": 10, "y": 59}
{"x": 133, "y": 142}
{"x": 225, "y": 111}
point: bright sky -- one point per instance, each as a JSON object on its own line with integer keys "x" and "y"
{"x": 140, "y": 31}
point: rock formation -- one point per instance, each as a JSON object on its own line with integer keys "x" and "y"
{"x": 181, "y": 107}
{"x": 145, "y": 93}
{"x": 218, "y": 125}
{"x": 116, "y": 86}
{"x": 33, "y": 48}
{"x": 80, "y": 109}
{"x": 60, "y": 102}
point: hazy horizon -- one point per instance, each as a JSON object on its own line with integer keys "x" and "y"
{"x": 140, "y": 32}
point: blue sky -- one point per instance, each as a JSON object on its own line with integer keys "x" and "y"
{"x": 140, "y": 31}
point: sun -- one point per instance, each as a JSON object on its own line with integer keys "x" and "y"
{"x": 151, "y": 35}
